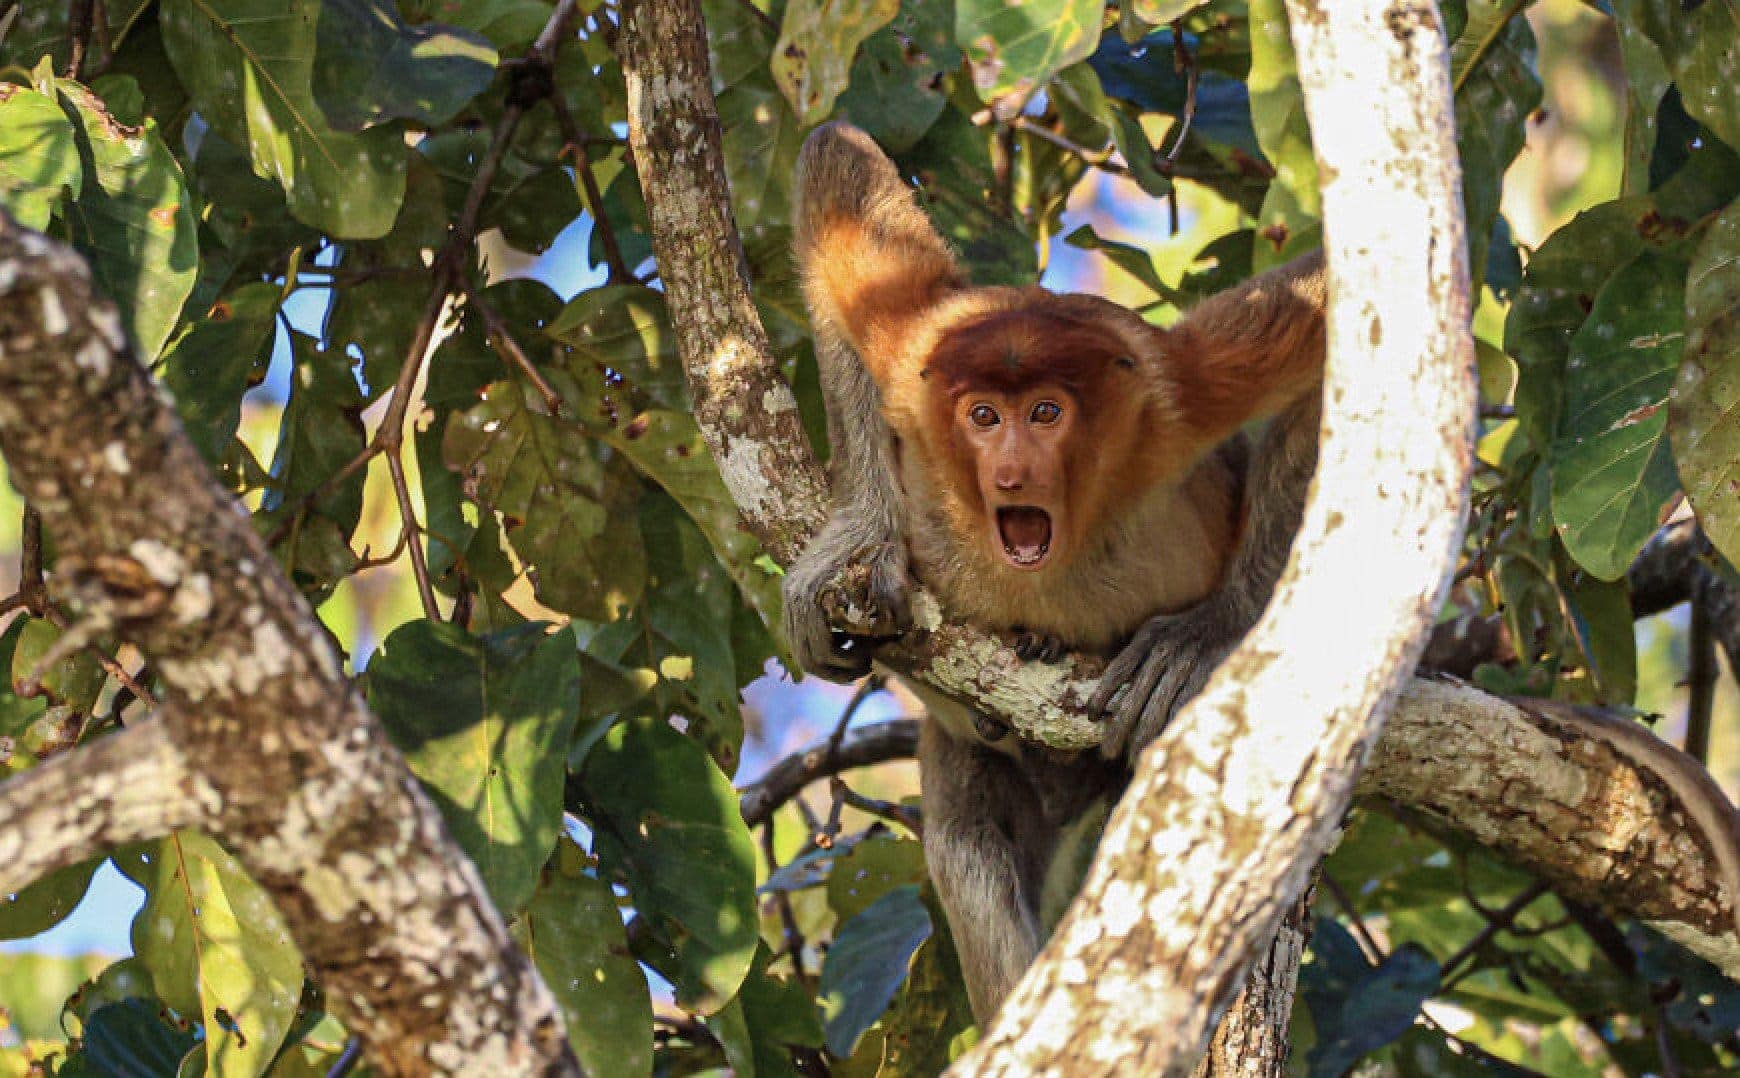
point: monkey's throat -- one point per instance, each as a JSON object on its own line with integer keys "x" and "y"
{"x": 1026, "y": 534}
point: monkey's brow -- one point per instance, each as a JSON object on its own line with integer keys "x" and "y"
{"x": 1012, "y": 357}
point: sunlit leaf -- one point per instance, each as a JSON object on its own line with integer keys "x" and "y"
{"x": 1704, "y": 421}
{"x": 133, "y": 220}
{"x": 217, "y": 948}
{"x": 484, "y": 722}
{"x": 371, "y": 66}
{"x": 1015, "y": 48}
{"x": 768, "y": 1018}
{"x": 1289, "y": 221}
{"x": 1612, "y": 473}
{"x": 249, "y": 65}
{"x": 211, "y": 365}
{"x": 817, "y": 42}
{"x": 39, "y": 163}
{"x": 1492, "y": 68}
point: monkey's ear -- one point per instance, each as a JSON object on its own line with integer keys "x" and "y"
{"x": 872, "y": 265}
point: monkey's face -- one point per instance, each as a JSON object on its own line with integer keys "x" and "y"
{"x": 1017, "y": 443}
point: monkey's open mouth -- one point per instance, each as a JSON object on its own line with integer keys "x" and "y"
{"x": 1026, "y": 534}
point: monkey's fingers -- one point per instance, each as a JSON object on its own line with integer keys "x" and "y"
{"x": 1121, "y": 725}
{"x": 1124, "y": 666}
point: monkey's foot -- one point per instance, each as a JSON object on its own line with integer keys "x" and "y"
{"x": 1165, "y": 664}
{"x": 1038, "y": 646}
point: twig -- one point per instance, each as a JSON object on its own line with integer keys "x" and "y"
{"x": 1496, "y": 921}
{"x": 1101, "y": 158}
{"x": 763, "y": 17}
{"x": 896, "y": 739}
{"x": 1183, "y": 61}
{"x": 1373, "y": 953}
{"x": 794, "y": 937}
{"x": 509, "y": 349}
{"x": 78, "y": 29}
{"x": 904, "y": 815}
{"x": 1700, "y": 679}
{"x": 30, "y": 579}
{"x": 347, "y": 1059}
{"x": 408, "y": 521}
{"x": 577, "y": 139}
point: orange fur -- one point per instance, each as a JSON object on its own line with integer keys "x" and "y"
{"x": 1150, "y": 513}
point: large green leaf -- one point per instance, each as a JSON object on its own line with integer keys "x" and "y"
{"x": 371, "y": 66}
{"x": 484, "y": 723}
{"x": 761, "y": 142}
{"x": 1701, "y": 44}
{"x": 1358, "y": 1008}
{"x": 132, "y": 219}
{"x": 1704, "y": 421}
{"x": 894, "y": 91}
{"x": 213, "y": 364}
{"x": 1289, "y": 221}
{"x": 817, "y": 41}
{"x": 666, "y": 818}
{"x": 868, "y": 963}
{"x": 1492, "y": 66}
{"x": 1014, "y": 49}
{"x": 1612, "y": 473}
{"x": 39, "y": 159}
{"x": 769, "y": 1016}
{"x": 572, "y": 930}
{"x": 218, "y": 949}
{"x": 46, "y": 902}
{"x": 1646, "y": 80}
{"x": 249, "y": 65}
{"x": 568, "y": 511}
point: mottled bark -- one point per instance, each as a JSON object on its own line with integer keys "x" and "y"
{"x": 747, "y": 412}
{"x": 1251, "y": 1040}
{"x": 295, "y": 775}
{"x": 131, "y": 787}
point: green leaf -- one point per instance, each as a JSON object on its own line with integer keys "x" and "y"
{"x": 868, "y": 963}
{"x": 1359, "y": 1008}
{"x": 217, "y": 948}
{"x": 769, "y": 1016}
{"x": 1612, "y": 473}
{"x": 957, "y": 187}
{"x": 1290, "y": 219}
{"x": 1606, "y": 634}
{"x": 371, "y": 66}
{"x": 39, "y": 161}
{"x": 817, "y": 41}
{"x": 1014, "y": 49}
{"x": 484, "y": 723}
{"x": 1144, "y": 74}
{"x": 1702, "y": 51}
{"x": 666, "y": 818}
{"x": 249, "y": 65}
{"x": 1646, "y": 80}
{"x": 210, "y": 367}
{"x": 1492, "y": 67}
{"x": 567, "y": 511}
{"x": 132, "y": 219}
{"x": 871, "y": 869}
{"x": 45, "y": 903}
{"x": 1704, "y": 419}
{"x": 892, "y": 92}
{"x": 321, "y": 431}
{"x": 683, "y": 631}
{"x": 134, "y": 1037}
{"x": 572, "y": 929}
{"x": 762, "y": 138}
{"x": 623, "y": 350}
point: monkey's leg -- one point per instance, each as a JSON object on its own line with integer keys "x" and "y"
{"x": 975, "y": 802}
{"x": 1172, "y": 656}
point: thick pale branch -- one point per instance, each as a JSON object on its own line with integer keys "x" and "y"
{"x": 1230, "y": 810}
{"x": 131, "y": 787}
{"x": 313, "y": 799}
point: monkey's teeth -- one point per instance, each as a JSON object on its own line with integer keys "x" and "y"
{"x": 1026, "y": 533}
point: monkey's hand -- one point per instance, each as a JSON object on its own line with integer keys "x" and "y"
{"x": 1166, "y": 663}
{"x": 848, "y": 590}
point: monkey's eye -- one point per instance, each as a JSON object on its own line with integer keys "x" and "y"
{"x": 1045, "y": 413}
{"x": 983, "y": 416}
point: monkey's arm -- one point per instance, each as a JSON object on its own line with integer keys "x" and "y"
{"x": 869, "y": 261}
{"x": 1171, "y": 656}
{"x": 1251, "y": 351}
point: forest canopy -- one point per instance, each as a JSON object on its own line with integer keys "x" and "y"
{"x": 391, "y": 263}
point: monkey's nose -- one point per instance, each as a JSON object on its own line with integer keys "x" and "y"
{"x": 1009, "y": 482}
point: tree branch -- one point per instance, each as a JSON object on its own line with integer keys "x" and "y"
{"x": 130, "y": 787}
{"x": 318, "y": 806}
